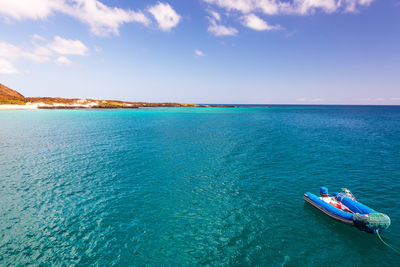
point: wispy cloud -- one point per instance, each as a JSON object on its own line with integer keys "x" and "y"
{"x": 7, "y": 67}
{"x": 37, "y": 37}
{"x": 258, "y": 24}
{"x": 274, "y": 7}
{"x": 221, "y": 30}
{"x": 199, "y": 53}
{"x": 353, "y": 6}
{"x": 63, "y": 61}
{"x": 12, "y": 52}
{"x": 41, "y": 52}
{"x": 103, "y": 20}
{"x": 214, "y": 15}
{"x": 248, "y": 12}
{"x": 216, "y": 28}
{"x": 25, "y": 9}
{"x": 68, "y": 47}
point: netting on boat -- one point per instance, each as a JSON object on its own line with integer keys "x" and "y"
{"x": 378, "y": 221}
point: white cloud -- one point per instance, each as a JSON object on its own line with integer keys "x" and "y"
{"x": 37, "y": 37}
{"x": 165, "y": 16}
{"x": 26, "y": 9}
{"x": 102, "y": 19}
{"x": 258, "y": 24}
{"x": 7, "y": 68}
{"x": 40, "y": 53}
{"x": 63, "y": 61}
{"x": 45, "y": 52}
{"x": 214, "y": 15}
{"x": 248, "y": 11}
{"x": 9, "y": 50}
{"x": 221, "y": 30}
{"x": 68, "y": 47}
{"x": 395, "y": 99}
{"x": 239, "y": 5}
{"x": 353, "y": 5}
{"x": 270, "y": 7}
{"x": 310, "y": 6}
{"x": 199, "y": 53}
{"x": 218, "y": 29}
{"x": 273, "y": 7}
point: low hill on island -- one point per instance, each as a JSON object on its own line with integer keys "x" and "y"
{"x": 11, "y": 97}
{"x": 7, "y": 93}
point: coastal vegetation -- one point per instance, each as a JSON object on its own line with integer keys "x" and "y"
{"x": 11, "y": 98}
{"x": 11, "y": 102}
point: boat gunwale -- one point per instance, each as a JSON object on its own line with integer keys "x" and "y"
{"x": 338, "y": 218}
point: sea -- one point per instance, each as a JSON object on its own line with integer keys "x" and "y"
{"x": 195, "y": 186}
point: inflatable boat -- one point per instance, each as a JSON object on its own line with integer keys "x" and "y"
{"x": 345, "y": 208}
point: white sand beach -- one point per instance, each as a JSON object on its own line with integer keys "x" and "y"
{"x": 37, "y": 105}
{"x": 26, "y": 106}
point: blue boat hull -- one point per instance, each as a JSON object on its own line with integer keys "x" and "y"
{"x": 361, "y": 216}
{"x": 328, "y": 209}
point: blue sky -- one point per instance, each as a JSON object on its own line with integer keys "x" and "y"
{"x": 204, "y": 51}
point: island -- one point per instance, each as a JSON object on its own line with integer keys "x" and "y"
{"x": 11, "y": 99}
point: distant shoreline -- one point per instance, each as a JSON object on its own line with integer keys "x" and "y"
{"x": 57, "y": 106}
{"x": 11, "y": 99}
{"x": 52, "y": 106}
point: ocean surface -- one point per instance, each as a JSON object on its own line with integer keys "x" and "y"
{"x": 195, "y": 186}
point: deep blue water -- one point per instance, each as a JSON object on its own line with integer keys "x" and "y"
{"x": 195, "y": 186}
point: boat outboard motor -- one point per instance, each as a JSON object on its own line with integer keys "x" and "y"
{"x": 372, "y": 222}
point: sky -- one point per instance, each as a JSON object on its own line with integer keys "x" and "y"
{"x": 204, "y": 51}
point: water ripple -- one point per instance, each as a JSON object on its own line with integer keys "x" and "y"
{"x": 194, "y": 186}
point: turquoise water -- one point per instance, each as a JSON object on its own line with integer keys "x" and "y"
{"x": 195, "y": 186}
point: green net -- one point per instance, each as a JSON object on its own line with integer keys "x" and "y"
{"x": 378, "y": 221}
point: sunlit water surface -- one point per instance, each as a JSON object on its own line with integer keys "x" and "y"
{"x": 195, "y": 186}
